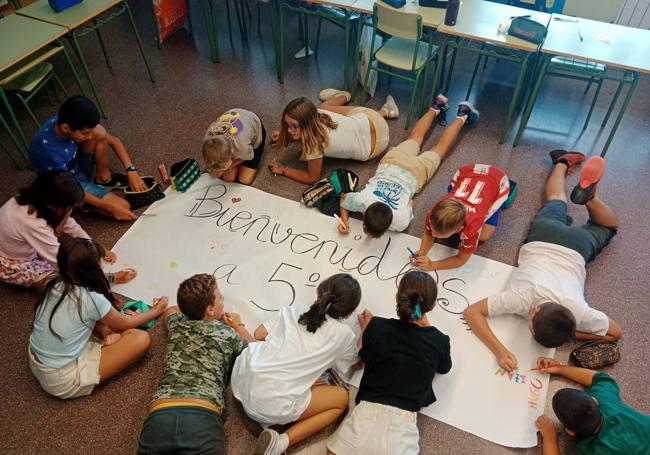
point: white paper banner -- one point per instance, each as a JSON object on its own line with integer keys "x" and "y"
{"x": 268, "y": 252}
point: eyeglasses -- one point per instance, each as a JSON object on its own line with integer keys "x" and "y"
{"x": 293, "y": 126}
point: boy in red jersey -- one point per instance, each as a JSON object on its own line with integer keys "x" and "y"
{"x": 471, "y": 208}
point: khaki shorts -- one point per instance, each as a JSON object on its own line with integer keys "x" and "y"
{"x": 375, "y": 429}
{"x": 407, "y": 156}
{"x": 381, "y": 129}
{"x": 76, "y": 379}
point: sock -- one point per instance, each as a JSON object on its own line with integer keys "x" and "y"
{"x": 437, "y": 111}
{"x": 463, "y": 118}
{"x": 283, "y": 443}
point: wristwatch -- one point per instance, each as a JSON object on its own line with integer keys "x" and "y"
{"x": 132, "y": 168}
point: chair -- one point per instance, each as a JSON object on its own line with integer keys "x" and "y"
{"x": 406, "y": 49}
{"x": 28, "y": 80}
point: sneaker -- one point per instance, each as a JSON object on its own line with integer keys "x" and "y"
{"x": 303, "y": 53}
{"x": 331, "y": 93}
{"x": 592, "y": 171}
{"x": 571, "y": 159}
{"x": 392, "y": 111}
{"x": 466, "y": 108}
{"x": 117, "y": 181}
{"x": 514, "y": 188}
{"x": 440, "y": 103}
{"x": 268, "y": 443}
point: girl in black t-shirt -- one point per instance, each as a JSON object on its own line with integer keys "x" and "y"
{"x": 401, "y": 357}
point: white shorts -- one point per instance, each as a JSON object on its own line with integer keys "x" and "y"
{"x": 374, "y": 429}
{"x": 76, "y": 379}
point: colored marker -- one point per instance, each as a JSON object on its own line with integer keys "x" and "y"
{"x": 549, "y": 366}
{"x": 340, "y": 221}
{"x": 411, "y": 252}
{"x": 350, "y": 181}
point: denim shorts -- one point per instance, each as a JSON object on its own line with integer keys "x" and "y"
{"x": 182, "y": 430}
{"x": 85, "y": 173}
{"x": 553, "y": 225}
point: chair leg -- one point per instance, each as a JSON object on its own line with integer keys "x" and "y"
{"x": 101, "y": 44}
{"x": 591, "y": 79}
{"x": 320, "y": 21}
{"x": 52, "y": 100}
{"x": 593, "y": 103}
{"x": 242, "y": 26}
{"x": 139, "y": 41}
{"x": 611, "y": 106}
{"x": 531, "y": 100}
{"x": 259, "y": 20}
{"x": 364, "y": 90}
{"x": 515, "y": 99}
{"x": 61, "y": 86}
{"x": 229, "y": 23}
{"x": 29, "y": 111}
{"x": 451, "y": 69}
{"x": 471, "y": 81}
{"x": 77, "y": 50}
{"x": 248, "y": 10}
{"x": 412, "y": 101}
{"x": 621, "y": 112}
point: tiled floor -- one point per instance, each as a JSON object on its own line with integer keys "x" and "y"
{"x": 165, "y": 121}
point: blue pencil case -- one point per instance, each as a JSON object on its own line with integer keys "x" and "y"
{"x": 60, "y": 5}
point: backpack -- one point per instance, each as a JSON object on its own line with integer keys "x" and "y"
{"x": 596, "y": 354}
{"x": 325, "y": 194}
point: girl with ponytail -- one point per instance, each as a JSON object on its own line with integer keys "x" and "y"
{"x": 401, "y": 357}
{"x": 276, "y": 379}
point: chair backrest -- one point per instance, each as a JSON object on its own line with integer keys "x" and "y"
{"x": 598, "y": 10}
{"x": 397, "y": 23}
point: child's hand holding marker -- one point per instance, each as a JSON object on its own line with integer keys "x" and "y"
{"x": 343, "y": 228}
{"x": 546, "y": 365}
{"x": 232, "y": 319}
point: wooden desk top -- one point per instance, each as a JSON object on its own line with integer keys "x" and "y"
{"x": 21, "y": 36}
{"x": 70, "y": 18}
{"x": 628, "y": 48}
{"x": 478, "y": 20}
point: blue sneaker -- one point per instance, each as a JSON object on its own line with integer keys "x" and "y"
{"x": 466, "y": 108}
{"x": 440, "y": 103}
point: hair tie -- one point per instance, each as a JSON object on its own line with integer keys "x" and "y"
{"x": 330, "y": 300}
{"x": 417, "y": 313}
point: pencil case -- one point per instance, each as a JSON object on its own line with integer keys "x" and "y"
{"x": 138, "y": 199}
{"x": 527, "y": 29}
{"x": 60, "y": 5}
{"x": 184, "y": 173}
{"x": 139, "y": 306}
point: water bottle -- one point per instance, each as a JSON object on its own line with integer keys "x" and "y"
{"x": 452, "y": 12}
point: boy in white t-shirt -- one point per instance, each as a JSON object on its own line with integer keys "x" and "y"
{"x": 387, "y": 199}
{"x": 548, "y": 286}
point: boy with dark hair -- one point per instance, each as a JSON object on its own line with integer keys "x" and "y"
{"x": 597, "y": 417}
{"x": 476, "y": 196}
{"x": 202, "y": 344}
{"x": 74, "y": 141}
{"x": 552, "y": 268}
{"x": 403, "y": 171}
{"x": 377, "y": 219}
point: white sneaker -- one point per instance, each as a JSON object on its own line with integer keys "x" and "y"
{"x": 331, "y": 93}
{"x": 304, "y": 52}
{"x": 392, "y": 111}
{"x": 268, "y": 443}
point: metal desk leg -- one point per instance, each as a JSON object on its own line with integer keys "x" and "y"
{"x": 531, "y": 100}
{"x": 515, "y": 99}
{"x": 439, "y": 69}
{"x": 628, "y": 97}
{"x": 72, "y": 37}
{"x": 77, "y": 80}
{"x": 137, "y": 38}
{"x": 612, "y": 104}
{"x": 355, "y": 55}
{"x": 346, "y": 54}
{"x": 208, "y": 18}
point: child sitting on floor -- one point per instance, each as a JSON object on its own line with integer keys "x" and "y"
{"x": 67, "y": 362}
{"x": 202, "y": 343}
{"x": 471, "y": 208}
{"x": 75, "y": 141}
{"x": 30, "y": 223}
{"x": 333, "y": 130}
{"x": 597, "y": 417}
{"x": 387, "y": 199}
{"x": 401, "y": 357}
{"x": 233, "y": 146}
{"x": 275, "y": 379}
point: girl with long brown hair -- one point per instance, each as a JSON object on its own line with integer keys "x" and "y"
{"x": 332, "y": 130}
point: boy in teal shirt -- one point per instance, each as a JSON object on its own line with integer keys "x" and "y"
{"x": 597, "y": 417}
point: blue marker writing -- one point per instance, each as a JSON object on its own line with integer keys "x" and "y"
{"x": 411, "y": 252}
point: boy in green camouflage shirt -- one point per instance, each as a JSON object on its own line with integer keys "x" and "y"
{"x": 202, "y": 344}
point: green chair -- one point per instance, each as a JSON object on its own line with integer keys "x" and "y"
{"x": 407, "y": 49}
{"x": 28, "y": 80}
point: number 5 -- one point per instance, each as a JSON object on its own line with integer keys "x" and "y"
{"x": 273, "y": 279}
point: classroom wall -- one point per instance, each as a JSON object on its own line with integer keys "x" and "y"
{"x": 635, "y": 13}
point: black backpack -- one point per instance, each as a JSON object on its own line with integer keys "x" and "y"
{"x": 325, "y": 194}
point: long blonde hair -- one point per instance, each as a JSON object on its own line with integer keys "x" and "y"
{"x": 313, "y": 125}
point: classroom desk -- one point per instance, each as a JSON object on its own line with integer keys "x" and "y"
{"x": 628, "y": 53}
{"x": 73, "y": 19}
{"x": 477, "y": 23}
{"x": 22, "y": 37}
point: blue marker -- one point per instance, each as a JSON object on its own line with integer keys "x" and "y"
{"x": 411, "y": 252}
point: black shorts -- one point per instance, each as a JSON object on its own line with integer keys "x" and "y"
{"x": 257, "y": 153}
{"x": 182, "y": 430}
{"x": 553, "y": 225}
